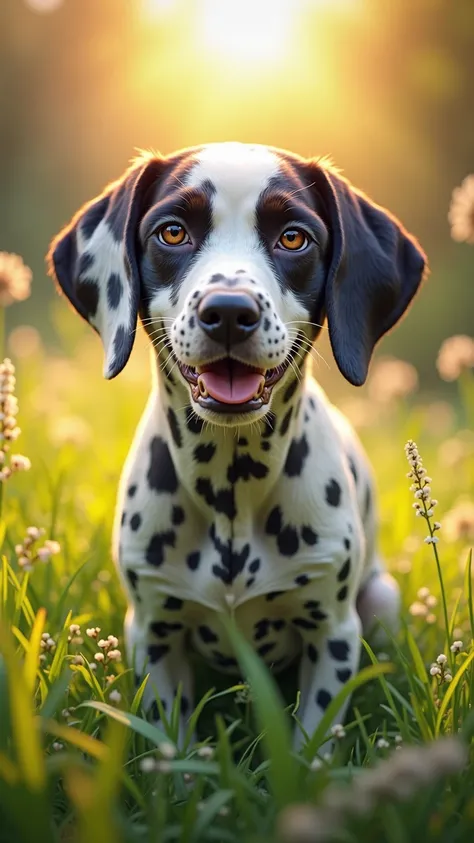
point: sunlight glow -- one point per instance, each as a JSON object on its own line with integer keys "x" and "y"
{"x": 256, "y": 30}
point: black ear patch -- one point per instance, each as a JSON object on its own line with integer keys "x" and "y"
{"x": 375, "y": 269}
{"x": 94, "y": 262}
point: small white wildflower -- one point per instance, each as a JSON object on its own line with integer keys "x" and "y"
{"x": 75, "y": 629}
{"x": 114, "y": 655}
{"x": 103, "y": 644}
{"x": 167, "y": 750}
{"x": 205, "y": 752}
{"x": 93, "y": 632}
{"x": 398, "y": 739}
{"x": 188, "y": 777}
{"x": 382, "y": 744}
{"x": 92, "y": 665}
{"x": 113, "y": 641}
{"x": 78, "y": 660}
{"x": 442, "y": 659}
{"x": 431, "y": 618}
{"x": 65, "y": 713}
{"x": 315, "y": 765}
{"x": 448, "y": 677}
{"x": 431, "y": 601}
{"x": 423, "y": 593}
{"x": 147, "y": 765}
{"x": 18, "y": 462}
{"x": 436, "y": 525}
{"x": 115, "y": 696}
{"x": 338, "y": 731}
{"x": 418, "y": 610}
{"x": 57, "y": 746}
{"x": 224, "y": 811}
{"x": 34, "y": 533}
{"x": 163, "y": 766}
{"x": 457, "y": 647}
{"x": 53, "y": 546}
{"x": 435, "y": 670}
{"x": 431, "y": 540}
{"x": 99, "y": 657}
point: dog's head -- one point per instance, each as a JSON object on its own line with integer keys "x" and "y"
{"x": 233, "y": 256}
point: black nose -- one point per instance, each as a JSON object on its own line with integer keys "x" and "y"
{"x": 228, "y": 317}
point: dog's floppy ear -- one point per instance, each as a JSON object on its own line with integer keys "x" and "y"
{"x": 94, "y": 262}
{"x": 374, "y": 270}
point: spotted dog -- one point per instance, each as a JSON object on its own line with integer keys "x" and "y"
{"x": 245, "y": 492}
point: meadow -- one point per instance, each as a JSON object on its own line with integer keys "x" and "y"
{"x": 78, "y": 760}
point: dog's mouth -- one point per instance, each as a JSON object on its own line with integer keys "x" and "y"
{"x": 229, "y": 386}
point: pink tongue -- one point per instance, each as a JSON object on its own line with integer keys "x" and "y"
{"x": 231, "y": 383}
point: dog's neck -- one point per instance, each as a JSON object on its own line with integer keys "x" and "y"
{"x": 230, "y": 470}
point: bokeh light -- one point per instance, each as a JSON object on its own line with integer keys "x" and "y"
{"x": 44, "y": 6}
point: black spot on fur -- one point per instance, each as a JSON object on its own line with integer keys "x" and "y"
{"x": 342, "y": 593}
{"x": 193, "y": 559}
{"x": 266, "y": 324}
{"x": 333, "y": 493}
{"x": 132, "y": 490}
{"x": 296, "y": 457}
{"x": 286, "y": 421}
{"x": 344, "y": 674}
{"x": 309, "y": 536}
{"x": 191, "y": 322}
{"x": 177, "y": 515}
{"x": 132, "y": 577}
{"x": 193, "y": 422}
{"x": 318, "y": 615}
{"x": 250, "y": 582}
{"x": 312, "y": 402}
{"x": 265, "y": 446}
{"x": 155, "y": 554}
{"x": 232, "y": 561}
{"x": 123, "y": 519}
{"x": 163, "y": 628}
{"x": 339, "y": 649}
{"x": 173, "y": 604}
{"x": 120, "y": 345}
{"x": 290, "y": 390}
{"x": 269, "y": 425}
{"x": 367, "y": 503}
{"x": 266, "y": 648}
{"x": 157, "y": 651}
{"x": 303, "y": 579}
{"x": 224, "y": 661}
{"x": 242, "y": 441}
{"x": 304, "y": 623}
{"x": 204, "y": 453}
{"x": 261, "y": 629}
{"x": 135, "y": 521}
{"x": 323, "y": 698}
{"x": 161, "y": 474}
{"x": 87, "y": 293}
{"x": 85, "y": 262}
{"x": 94, "y": 216}
{"x": 312, "y": 652}
{"x": 288, "y": 541}
{"x": 274, "y": 522}
{"x": 222, "y": 501}
{"x": 272, "y": 595}
{"x": 278, "y": 624}
{"x": 345, "y": 571}
{"x": 347, "y": 544}
{"x": 254, "y": 566}
{"x": 353, "y": 468}
{"x": 217, "y": 278}
{"x": 207, "y": 635}
{"x": 174, "y": 427}
{"x": 114, "y": 291}
{"x": 243, "y": 467}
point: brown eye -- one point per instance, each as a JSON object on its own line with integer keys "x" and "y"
{"x": 173, "y": 234}
{"x": 293, "y": 239}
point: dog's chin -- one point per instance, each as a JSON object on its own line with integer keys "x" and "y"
{"x": 230, "y": 393}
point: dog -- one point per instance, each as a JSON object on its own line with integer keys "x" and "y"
{"x": 245, "y": 493}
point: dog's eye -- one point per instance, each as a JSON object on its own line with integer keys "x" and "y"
{"x": 293, "y": 239}
{"x": 173, "y": 234}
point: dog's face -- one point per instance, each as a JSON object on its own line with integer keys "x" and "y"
{"x": 233, "y": 255}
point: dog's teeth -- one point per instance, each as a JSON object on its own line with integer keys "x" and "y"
{"x": 261, "y": 387}
{"x": 202, "y": 387}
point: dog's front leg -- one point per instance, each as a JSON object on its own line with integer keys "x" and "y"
{"x": 157, "y": 647}
{"x": 330, "y": 657}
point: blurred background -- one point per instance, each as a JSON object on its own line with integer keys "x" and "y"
{"x": 385, "y": 88}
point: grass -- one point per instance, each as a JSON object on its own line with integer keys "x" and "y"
{"x": 73, "y": 739}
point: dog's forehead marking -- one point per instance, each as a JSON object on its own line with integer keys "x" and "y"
{"x": 238, "y": 173}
